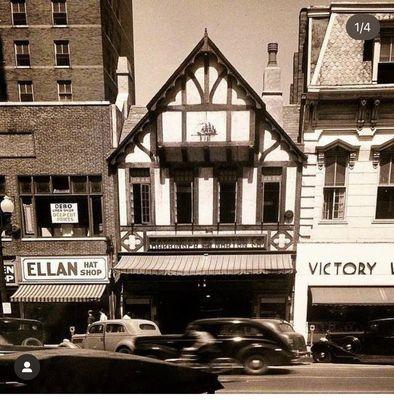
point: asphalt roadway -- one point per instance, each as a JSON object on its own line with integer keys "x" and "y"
{"x": 315, "y": 378}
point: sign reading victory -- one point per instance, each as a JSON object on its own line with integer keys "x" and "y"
{"x": 64, "y": 213}
{"x": 60, "y": 270}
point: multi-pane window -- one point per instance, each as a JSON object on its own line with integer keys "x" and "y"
{"x": 385, "y": 198}
{"x": 334, "y": 190}
{"x": 22, "y": 53}
{"x": 184, "y": 189}
{"x": 18, "y": 9}
{"x": 64, "y": 90}
{"x": 25, "y": 90}
{"x": 271, "y": 181}
{"x": 61, "y": 206}
{"x": 59, "y": 12}
{"x": 140, "y": 195}
{"x": 62, "y": 53}
{"x": 227, "y": 180}
{"x": 386, "y": 62}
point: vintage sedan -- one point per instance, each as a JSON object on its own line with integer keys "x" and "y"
{"x": 375, "y": 343}
{"x": 21, "y": 332}
{"x": 115, "y": 335}
{"x": 253, "y": 344}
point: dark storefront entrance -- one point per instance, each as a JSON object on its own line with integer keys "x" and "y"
{"x": 175, "y": 302}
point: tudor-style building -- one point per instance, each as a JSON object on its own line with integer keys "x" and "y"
{"x": 208, "y": 185}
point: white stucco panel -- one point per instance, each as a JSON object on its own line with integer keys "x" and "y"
{"x": 240, "y": 126}
{"x": 162, "y": 198}
{"x": 205, "y": 199}
{"x": 122, "y": 196}
{"x": 192, "y": 93}
{"x": 291, "y": 180}
{"x": 220, "y": 95}
{"x": 172, "y": 126}
{"x": 249, "y": 193}
{"x": 277, "y": 155}
{"x": 196, "y": 120}
{"x": 136, "y": 155}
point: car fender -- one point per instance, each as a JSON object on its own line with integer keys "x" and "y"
{"x": 267, "y": 349}
{"x": 160, "y": 351}
{"x": 336, "y": 350}
{"x": 129, "y": 343}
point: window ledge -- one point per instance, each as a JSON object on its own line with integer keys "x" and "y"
{"x": 332, "y": 222}
{"x": 63, "y": 239}
{"x": 23, "y": 66}
{"x": 59, "y": 26}
{"x": 20, "y": 26}
{"x": 62, "y": 66}
{"x": 383, "y": 221}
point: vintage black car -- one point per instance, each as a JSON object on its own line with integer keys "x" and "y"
{"x": 21, "y": 332}
{"x": 376, "y": 341}
{"x": 253, "y": 344}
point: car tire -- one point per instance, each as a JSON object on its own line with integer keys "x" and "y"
{"x": 124, "y": 350}
{"x": 32, "y": 342}
{"x": 324, "y": 356}
{"x": 255, "y": 364}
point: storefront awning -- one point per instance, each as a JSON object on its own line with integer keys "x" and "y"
{"x": 200, "y": 264}
{"x": 58, "y": 293}
{"x": 353, "y": 295}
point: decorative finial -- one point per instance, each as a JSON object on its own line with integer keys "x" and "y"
{"x": 206, "y": 32}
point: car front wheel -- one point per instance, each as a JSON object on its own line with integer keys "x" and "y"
{"x": 255, "y": 364}
{"x": 322, "y": 356}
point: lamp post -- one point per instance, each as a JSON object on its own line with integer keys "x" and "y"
{"x": 6, "y": 209}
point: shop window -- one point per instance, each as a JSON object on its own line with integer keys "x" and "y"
{"x": 64, "y": 89}
{"x": 61, "y": 206}
{"x": 25, "y": 89}
{"x": 140, "y": 195}
{"x": 385, "y": 197}
{"x": 184, "y": 193}
{"x": 22, "y": 53}
{"x": 18, "y": 10}
{"x": 59, "y": 12}
{"x": 62, "y": 53}
{"x": 386, "y": 61}
{"x": 272, "y": 179}
{"x": 334, "y": 185}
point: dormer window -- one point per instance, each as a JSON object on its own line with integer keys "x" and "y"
{"x": 386, "y": 59}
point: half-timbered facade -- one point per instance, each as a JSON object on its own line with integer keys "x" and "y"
{"x": 208, "y": 185}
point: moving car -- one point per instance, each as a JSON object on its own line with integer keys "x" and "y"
{"x": 21, "y": 332}
{"x": 376, "y": 341}
{"x": 253, "y": 344}
{"x": 115, "y": 335}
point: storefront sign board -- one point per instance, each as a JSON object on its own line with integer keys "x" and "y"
{"x": 64, "y": 269}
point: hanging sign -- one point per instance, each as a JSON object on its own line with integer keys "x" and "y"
{"x": 64, "y": 213}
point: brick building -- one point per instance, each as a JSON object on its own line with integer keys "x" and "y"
{"x": 63, "y": 49}
{"x": 53, "y": 150}
{"x": 345, "y": 90}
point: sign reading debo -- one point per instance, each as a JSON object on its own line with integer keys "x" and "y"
{"x": 56, "y": 269}
{"x": 64, "y": 213}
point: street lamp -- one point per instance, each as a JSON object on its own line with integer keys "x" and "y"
{"x": 6, "y": 209}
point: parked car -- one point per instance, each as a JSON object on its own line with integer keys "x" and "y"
{"x": 253, "y": 344}
{"x": 377, "y": 340}
{"x": 21, "y": 332}
{"x": 115, "y": 335}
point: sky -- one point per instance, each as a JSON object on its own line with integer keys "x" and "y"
{"x": 165, "y": 31}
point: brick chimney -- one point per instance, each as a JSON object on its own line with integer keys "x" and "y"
{"x": 272, "y": 90}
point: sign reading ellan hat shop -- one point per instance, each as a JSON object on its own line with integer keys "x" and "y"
{"x": 64, "y": 269}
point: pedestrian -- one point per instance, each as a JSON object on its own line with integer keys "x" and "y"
{"x": 103, "y": 316}
{"x": 91, "y": 318}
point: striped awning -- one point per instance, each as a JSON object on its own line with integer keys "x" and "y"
{"x": 205, "y": 264}
{"x": 353, "y": 295}
{"x": 74, "y": 293}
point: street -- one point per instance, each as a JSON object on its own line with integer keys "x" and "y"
{"x": 315, "y": 378}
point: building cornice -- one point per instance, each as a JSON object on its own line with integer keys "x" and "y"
{"x": 53, "y": 103}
